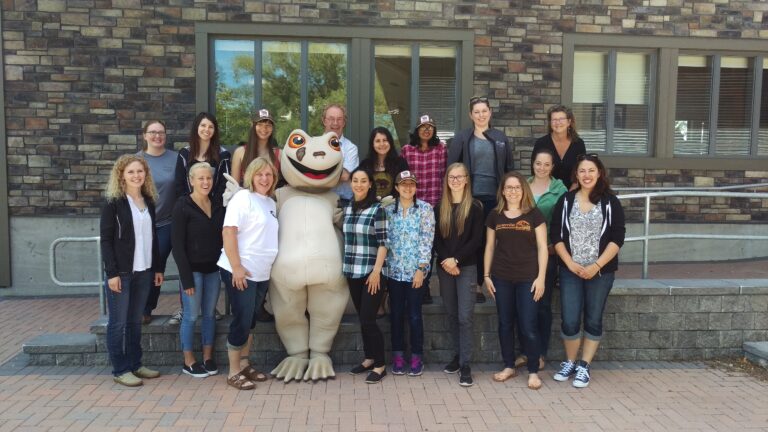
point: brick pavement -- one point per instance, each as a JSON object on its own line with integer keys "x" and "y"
{"x": 623, "y": 396}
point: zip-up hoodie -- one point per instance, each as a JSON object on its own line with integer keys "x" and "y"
{"x": 219, "y": 182}
{"x": 118, "y": 240}
{"x": 196, "y": 238}
{"x": 613, "y": 229}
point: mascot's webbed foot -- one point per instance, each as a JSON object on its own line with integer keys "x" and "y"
{"x": 291, "y": 368}
{"x": 320, "y": 367}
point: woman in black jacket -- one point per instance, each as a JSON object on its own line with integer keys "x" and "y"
{"x": 563, "y": 141}
{"x": 204, "y": 146}
{"x": 130, "y": 254}
{"x": 197, "y": 241}
{"x": 587, "y": 231}
{"x": 383, "y": 161}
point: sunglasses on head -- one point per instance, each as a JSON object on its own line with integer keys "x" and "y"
{"x": 588, "y": 156}
{"x": 475, "y": 99}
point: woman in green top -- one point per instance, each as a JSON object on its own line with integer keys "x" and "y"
{"x": 546, "y": 191}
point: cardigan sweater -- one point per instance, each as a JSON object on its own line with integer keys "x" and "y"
{"x": 118, "y": 239}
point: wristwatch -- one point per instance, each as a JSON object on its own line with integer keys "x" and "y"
{"x": 423, "y": 269}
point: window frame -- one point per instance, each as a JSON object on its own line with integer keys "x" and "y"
{"x": 661, "y": 153}
{"x": 360, "y": 40}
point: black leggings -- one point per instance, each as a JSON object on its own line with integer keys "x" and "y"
{"x": 367, "y": 306}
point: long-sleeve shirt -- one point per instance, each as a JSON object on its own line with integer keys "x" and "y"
{"x": 364, "y": 232}
{"x": 196, "y": 239}
{"x": 462, "y": 246}
{"x": 429, "y": 168}
{"x": 409, "y": 242}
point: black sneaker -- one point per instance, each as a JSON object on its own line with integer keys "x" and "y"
{"x": 465, "y": 376}
{"x": 375, "y": 377}
{"x": 210, "y": 367}
{"x": 452, "y": 367}
{"x": 360, "y": 369}
{"x": 196, "y": 370}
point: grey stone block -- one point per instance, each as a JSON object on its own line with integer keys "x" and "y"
{"x": 626, "y": 321}
{"x": 755, "y": 335}
{"x": 685, "y": 339}
{"x": 695, "y": 321}
{"x": 720, "y": 321}
{"x": 710, "y": 303}
{"x": 752, "y": 286}
{"x": 733, "y": 303}
{"x": 69, "y": 359}
{"x": 661, "y": 339}
{"x": 707, "y": 339}
{"x": 42, "y": 360}
{"x": 731, "y": 339}
{"x": 701, "y": 286}
{"x": 743, "y": 321}
{"x": 638, "y": 304}
{"x": 662, "y": 303}
{"x": 615, "y": 304}
{"x": 60, "y": 343}
{"x": 617, "y": 354}
{"x": 686, "y": 304}
{"x": 647, "y": 354}
{"x": 756, "y": 303}
{"x": 639, "y": 287}
{"x": 95, "y": 359}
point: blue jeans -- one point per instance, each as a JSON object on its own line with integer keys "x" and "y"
{"x": 206, "y": 295}
{"x": 402, "y": 295}
{"x": 515, "y": 300}
{"x": 459, "y": 301}
{"x": 243, "y": 305}
{"x": 164, "y": 244}
{"x": 124, "y": 321}
{"x": 579, "y": 296}
{"x": 489, "y": 203}
{"x": 545, "y": 308}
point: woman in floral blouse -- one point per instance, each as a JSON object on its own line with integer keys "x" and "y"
{"x": 411, "y": 229}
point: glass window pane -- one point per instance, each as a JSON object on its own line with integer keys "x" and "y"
{"x": 392, "y": 90}
{"x": 694, "y": 82}
{"x": 327, "y": 80}
{"x": 281, "y": 65}
{"x": 735, "y": 107}
{"x": 437, "y": 87}
{"x": 762, "y": 144}
{"x": 632, "y": 105}
{"x": 234, "y": 93}
{"x": 590, "y": 78}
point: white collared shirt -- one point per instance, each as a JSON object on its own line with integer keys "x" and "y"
{"x": 142, "y": 233}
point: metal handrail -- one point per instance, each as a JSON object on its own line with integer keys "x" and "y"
{"x": 647, "y": 237}
{"x": 99, "y": 283}
{"x": 688, "y": 188}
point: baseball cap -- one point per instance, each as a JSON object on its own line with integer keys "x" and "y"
{"x": 263, "y": 114}
{"x": 405, "y": 176}
{"x": 426, "y": 119}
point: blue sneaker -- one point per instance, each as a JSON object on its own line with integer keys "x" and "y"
{"x": 582, "y": 375}
{"x": 398, "y": 364}
{"x": 567, "y": 369}
{"x": 417, "y": 367}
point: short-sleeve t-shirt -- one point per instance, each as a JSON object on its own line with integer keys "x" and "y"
{"x": 515, "y": 257}
{"x": 383, "y": 182}
{"x": 255, "y": 217}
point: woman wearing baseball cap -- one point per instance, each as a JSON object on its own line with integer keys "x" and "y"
{"x": 261, "y": 142}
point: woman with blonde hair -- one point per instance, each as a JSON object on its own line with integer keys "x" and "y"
{"x": 250, "y": 248}
{"x": 130, "y": 255}
{"x": 458, "y": 237}
{"x": 514, "y": 271}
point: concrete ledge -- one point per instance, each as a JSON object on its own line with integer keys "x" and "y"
{"x": 757, "y": 352}
{"x": 61, "y": 343}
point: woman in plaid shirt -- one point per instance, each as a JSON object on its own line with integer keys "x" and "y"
{"x": 365, "y": 235}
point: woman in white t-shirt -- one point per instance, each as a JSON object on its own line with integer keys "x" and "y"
{"x": 250, "y": 248}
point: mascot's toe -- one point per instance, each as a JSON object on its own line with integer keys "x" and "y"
{"x": 291, "y": 368}
{"x": 320, "y": 367}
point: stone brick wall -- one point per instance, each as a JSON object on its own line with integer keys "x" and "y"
{"x": 81, "y": 75}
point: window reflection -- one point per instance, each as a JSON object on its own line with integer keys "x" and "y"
{"x": 234, "y": 96}
{"x": 694, "y": 81}
{"x": 437, "y": 87}
{"x": 392, "y": 90}
{"x": 327, "y": 80}
{"x": 281, "y": 88}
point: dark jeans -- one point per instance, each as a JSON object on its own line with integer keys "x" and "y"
{"x": 403, "y": 297}
{"x": 124, "y": 321}
{"x": 459, "y": 301}
{"x": 367, "y": 306}
{"x": 243, "y": 305}
{"x": 545, "y": 308}
{"x": 515, "y": 300}
{"x": 164, "y": 244}
{"x": 580, "y": 296}
{"x": 488, "y": 205}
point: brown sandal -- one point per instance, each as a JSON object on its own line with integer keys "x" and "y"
{"x": 501, "y": 377}
{"x": 241, "y": 382}
{"x": 253, "y": 375}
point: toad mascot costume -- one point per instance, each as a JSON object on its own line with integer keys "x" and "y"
{"x": 306, "y": 275}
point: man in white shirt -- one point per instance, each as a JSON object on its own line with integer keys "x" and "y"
{"x": 334, "y": 120}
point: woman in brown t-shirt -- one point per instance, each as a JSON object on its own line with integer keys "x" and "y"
{"x": 514, "y": 267}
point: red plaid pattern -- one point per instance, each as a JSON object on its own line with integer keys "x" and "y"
{"x": 429, "y": 168}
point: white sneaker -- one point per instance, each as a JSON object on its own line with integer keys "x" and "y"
{"x": 176, "y": 317}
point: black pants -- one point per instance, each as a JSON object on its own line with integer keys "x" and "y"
{"x": 367, "y": 306}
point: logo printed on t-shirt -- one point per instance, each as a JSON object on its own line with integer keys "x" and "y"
{"x": 517, "y": 226}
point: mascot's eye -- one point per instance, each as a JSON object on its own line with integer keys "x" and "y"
{"x": 296, "y": 141}
{"x": 335, "y": 144}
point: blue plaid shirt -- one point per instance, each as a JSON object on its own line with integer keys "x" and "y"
{"x": 410, "y": 239}
{"x": 364, "y": 232}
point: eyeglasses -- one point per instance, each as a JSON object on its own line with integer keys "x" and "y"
{"x": 427, "y": 128}
{"x": 513, "y": 188}
{"x": 456, "y": 178}
{"x": 156, "y": 133}
{"x": 559, "y": 120}
{"x": 588, "y": 156}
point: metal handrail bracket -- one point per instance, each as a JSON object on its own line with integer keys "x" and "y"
{"x": 99, "y": 283}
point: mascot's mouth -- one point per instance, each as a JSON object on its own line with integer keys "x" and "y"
{"x": 313, "y": 174}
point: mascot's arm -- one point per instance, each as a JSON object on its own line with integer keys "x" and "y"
{"x": 231, "y": 189}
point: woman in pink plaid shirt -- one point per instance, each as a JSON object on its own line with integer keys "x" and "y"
{"x": 427, "y": 157}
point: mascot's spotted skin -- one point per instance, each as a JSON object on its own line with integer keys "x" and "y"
{"x": 306, "y": 275}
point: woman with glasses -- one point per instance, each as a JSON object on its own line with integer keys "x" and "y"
{"x": 563, "y": 141}
{"x": 487, "y": 153}
{"x": 458, "y": 236}
{"x": 515, "y": 270}
{"x": 383, "y": 161}
{"x": 162, "y": 163}
{"x": 426, "y": 156}
{"x": 587, "y": 230}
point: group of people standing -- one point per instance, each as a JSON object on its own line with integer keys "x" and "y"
{"x": 462, "y": 209}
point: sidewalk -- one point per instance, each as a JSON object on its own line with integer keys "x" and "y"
{"x": 637, "y": 396}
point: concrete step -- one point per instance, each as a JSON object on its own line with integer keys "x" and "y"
{"x": 757, "y": 352}
{"x": 61, "y": 349}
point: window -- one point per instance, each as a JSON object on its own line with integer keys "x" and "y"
{"x": 659, "y": 99}
{"x": 296, "y": 70}
{"x": 611, "y": 100}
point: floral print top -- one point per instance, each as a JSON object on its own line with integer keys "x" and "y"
{"x": 585, "y": 234}
{"x": 409, "y": 239}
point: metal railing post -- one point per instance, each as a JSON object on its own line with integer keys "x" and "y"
{"x": 646, "y": 233}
